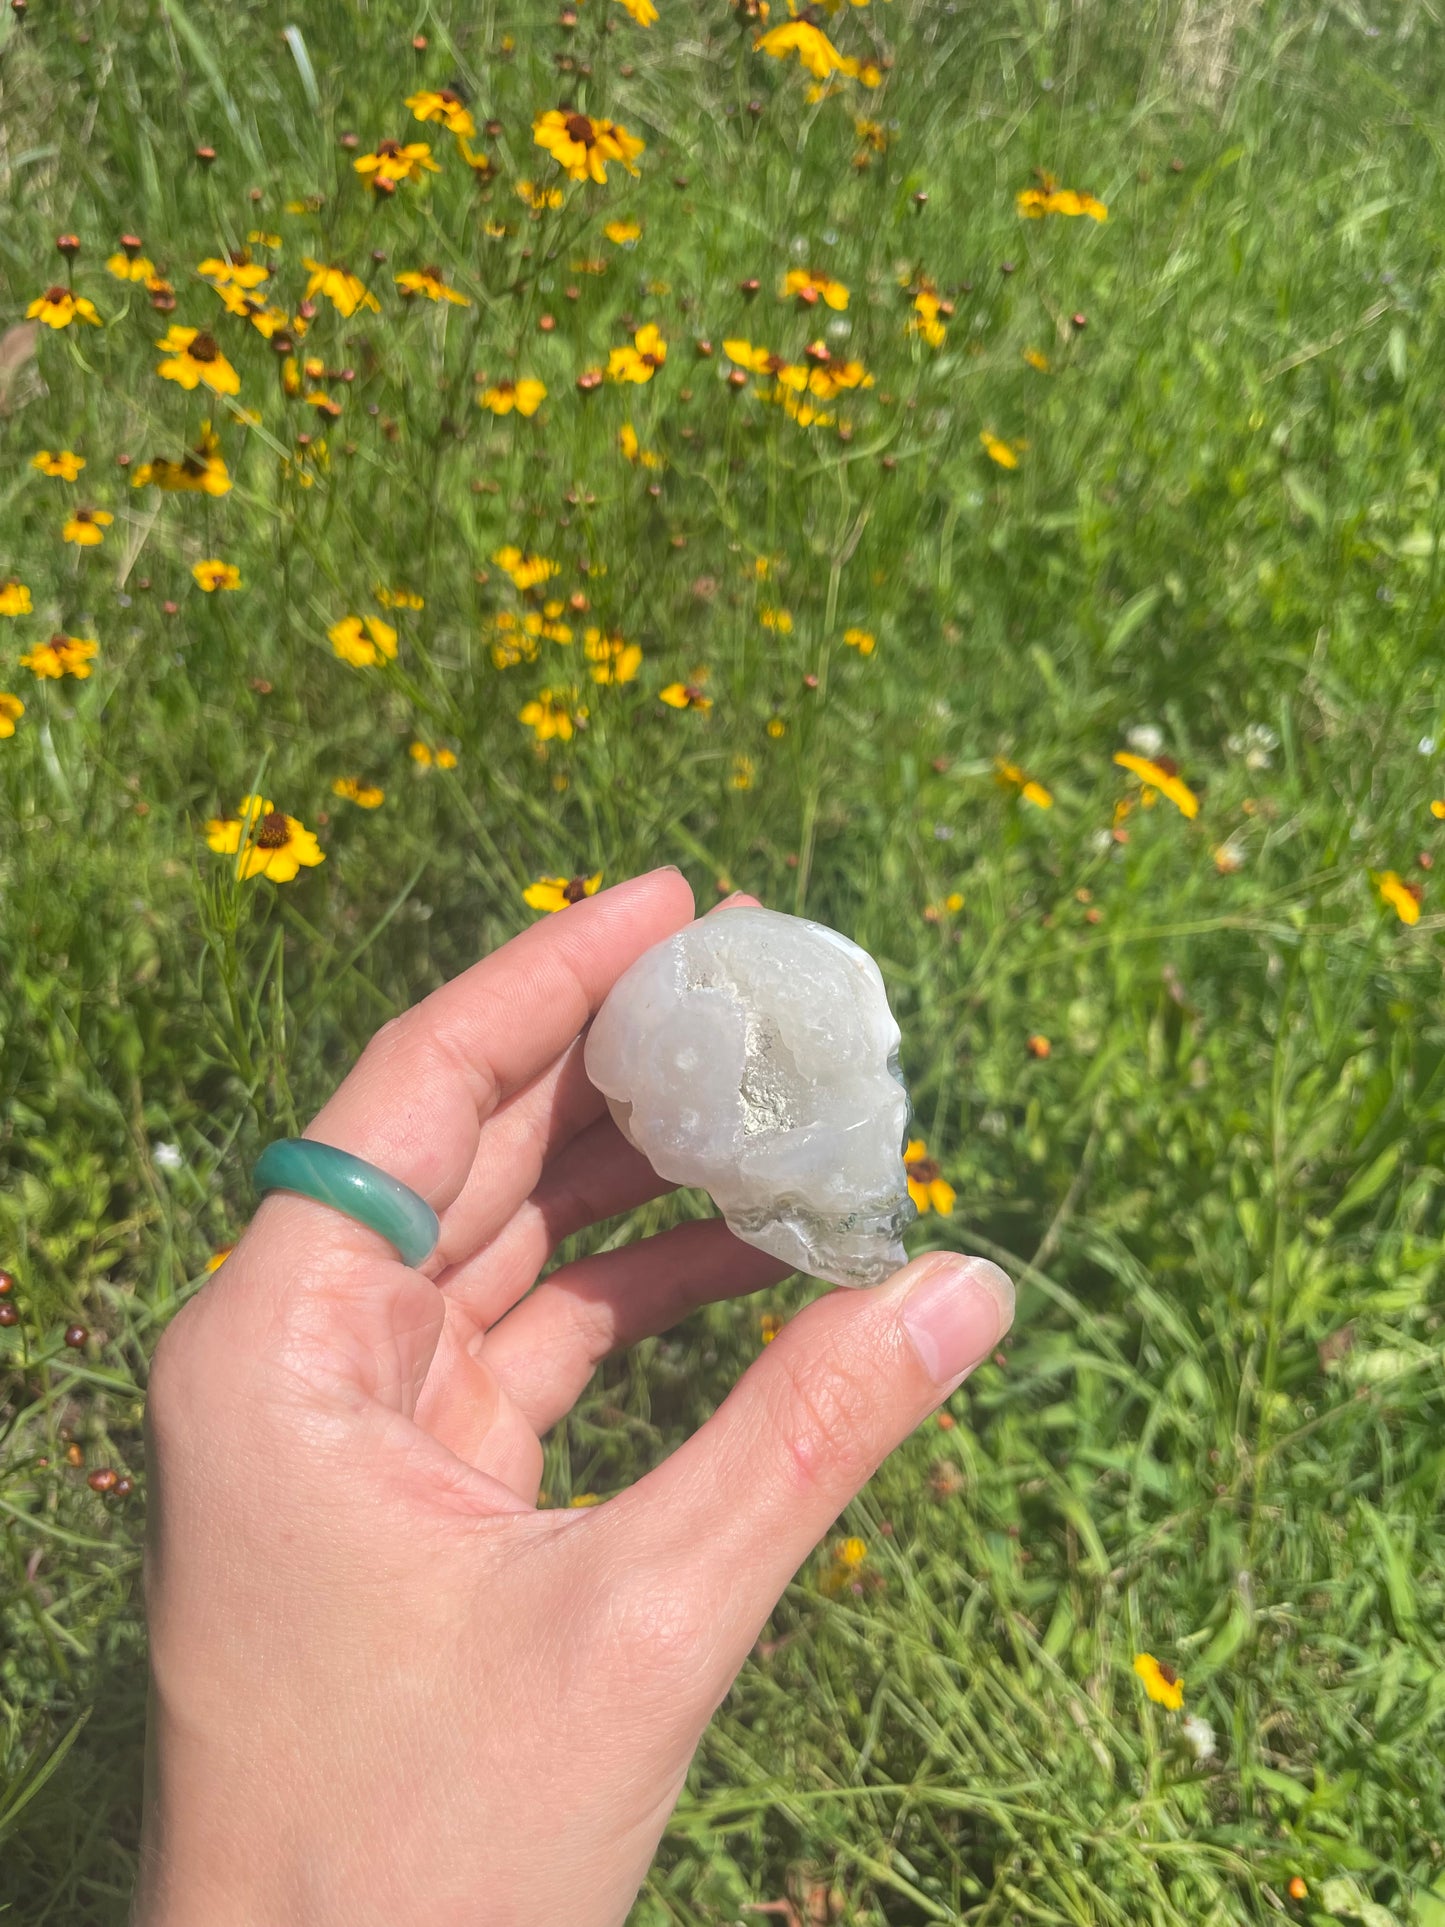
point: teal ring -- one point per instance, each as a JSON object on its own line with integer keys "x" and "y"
{"x": 372, "y": 1197}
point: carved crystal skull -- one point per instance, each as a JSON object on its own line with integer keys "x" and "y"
{"x": 753, "y": 1054}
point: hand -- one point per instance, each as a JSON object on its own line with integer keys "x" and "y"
{"x": 385, "y": 1688}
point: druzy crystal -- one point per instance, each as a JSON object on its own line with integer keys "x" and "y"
{"x": 754, "y": 1055}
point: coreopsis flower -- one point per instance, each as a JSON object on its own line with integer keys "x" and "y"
{"x": 845, "y": 1562}
{"x": 1401, "y": 897}
{"x": 816, "y": 53}
{"x": 927, "y": 1186}
{"x": 930, "y": 317}
{"x": 442, "y": 104}
{"x": 218, "y": 1258}
{"x": 1037, "y": 359}
{"x": 526, "y": 571}
{"x": 863, "y": 640}
{"x": 539, "y": 199}
{"x": 809, "y": 288}
{"x": 769, "y": 1325}
{"x": 514, "y": 639}
{"x": 131, "y": 267}
{"x": 525, "y": 396}
{"x": 265, "y": 320}
{"x": 1159, "y": 778}
{"x": 687, "y": 695}
{"x": 215, "y": 575}
{"x": 398, "y": 598}
{"x": 1006, "y": 454}
{"x": 744, "y": 769}
{"x": 873, "y": 138}
{"x": 584, "y": 145}
{"x": 86, "y": 527}
{"x": 623, "y": 234}
{"x": 613, "y": 659}
{"x": 756, "y": 359}
{"x": 394, "y": 162}
{"x": 552, "y": 714}
{"x": 778, "y": 620}
{"x": 14, "y": 598}
{"x": 642, "y": 11}
{"x": 827, "y": 376}
{"x": 11, "y": 710}
{"x": 363, "y": 641}
{"x": 61, "y": 656}
{"x": 233, "y": 271}
{"x": 1163, "y": 1685}
{"x": 428, "y": 282}
{"x": 426, "y": 757}
{"x": 633, "y": 451}
{"x": 641, "y": 358}
{"x": 948, "y": 906}
{"x": 1010, "y": 777}
{"x": 366, "y": 796}
{"x": 58, "y": 307}
{"x": 346, "y": 292}
{"x": 560, "y": 893}
{"x": 201, "y": 471}
{"x": 1437, "y": 809}
{"x": 1049, "y": 198}
{"x": 63, "y": 465}
{"x": 264, "y": 841}
{"x": 193, "y": 357}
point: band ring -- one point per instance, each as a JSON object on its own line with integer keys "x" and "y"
{"x": 352, "y": 1186}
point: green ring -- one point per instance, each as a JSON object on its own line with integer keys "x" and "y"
{"x": 381, "y": 1202}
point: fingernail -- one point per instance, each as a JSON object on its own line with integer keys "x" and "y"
{"x": 956, "y": 1314}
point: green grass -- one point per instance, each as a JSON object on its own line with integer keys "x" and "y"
{"x": 1227, "y": 517}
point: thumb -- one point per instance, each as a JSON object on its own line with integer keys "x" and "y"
{"x": 809, "y": 1423}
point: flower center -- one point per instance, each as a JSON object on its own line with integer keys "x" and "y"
{"x": 580, "y": 129}
{"x": 1168, "y": 1674}
{"x": 693, "y": 693}
{"x": 57, "y": 296}
{"x": 273, "y": 833}
{"x": 389, "y": 147}
{"x": 575, "y": 890}
{"x": 204, "y": 348}
{"x": 923, "y": 1170}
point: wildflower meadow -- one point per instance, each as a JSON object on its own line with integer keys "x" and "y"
{"x": 971, "y": 474}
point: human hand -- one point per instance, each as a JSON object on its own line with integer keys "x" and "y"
{"x": 385, "y": 1688}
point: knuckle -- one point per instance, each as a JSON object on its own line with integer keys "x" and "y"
{"x": 824, "y": 1411}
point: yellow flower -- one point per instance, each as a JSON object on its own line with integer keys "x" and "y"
{"x": 633, "y": 450}
{"x": 264, "y": 841}
{"x": 613, "y": 660}
{"x": 814, "y": 49}
{"x": 428, "y": 281}
{"x": 1163, "y": 777}
{"x": 366, "y": 796}
{"x": 259, "y": 238}
{"x": 58, "y": 307}
{"x": 526, "y": 396}
{"x": 929, "y": 317}
{"x": 640, "y": 359}
{"x": 948, "y": 907}
{"x": 1161, "y": 1682}
{"x": 131, "y": 267}
{"x": 346, "y": 292}
{"x": 215, "y": 575}
{"x": 776, "y": 619}
{"x": 394, "y": 162}
{"x": 758, "y": 360}
{"x": 1437, "y": 809}
{"x": 550, "y": 715}
{"x": 927, "y": 1186}
{"x": 63, "y": 465}
{"x": 584, "y": 145}
{"x": 777, "y": 728}
{"x": 398, "y": 598}
{"x": 769, "y": 1326}
{"x": 558, "y": 893}
{"x": 362, "y": 640}
{"x": 1006, "y": 454}
{"x": 526, "y": 571}
{"x": 201, "y": 471}
{"x": 811, "y": 288}
{"x": 850, "y": 1553}
{"x": 445, "y": 106}
{"x": 1403, "y": 898}
{"x": 642, "y": 11}
{"x": 11, "y": 710}
{"x": 539, "y": 198}
{"x": 235, "y": 271}
{"x": 61, "y": 656}
{"x": 218, "y": 1258}
{"x": 622, "y": 234}
{"x": 85, "y": 526}
{"x": 1036, "y": 358}
{"x": 687, "y": 695}
{"x": 1010, "y": 776}
{"x": 863, "y": 640}
{"x": 193, "y": 357}
{"x": 1035, "y": 202}
{"x": 743, "y": 771}
{"x": 14, "y": 598}
{"x": 427, "y": 758}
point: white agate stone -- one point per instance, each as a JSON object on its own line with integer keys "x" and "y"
{"x": 754, "y": 1055}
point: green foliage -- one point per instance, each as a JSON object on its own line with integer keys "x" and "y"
{"x": 1215, "y": 1434}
